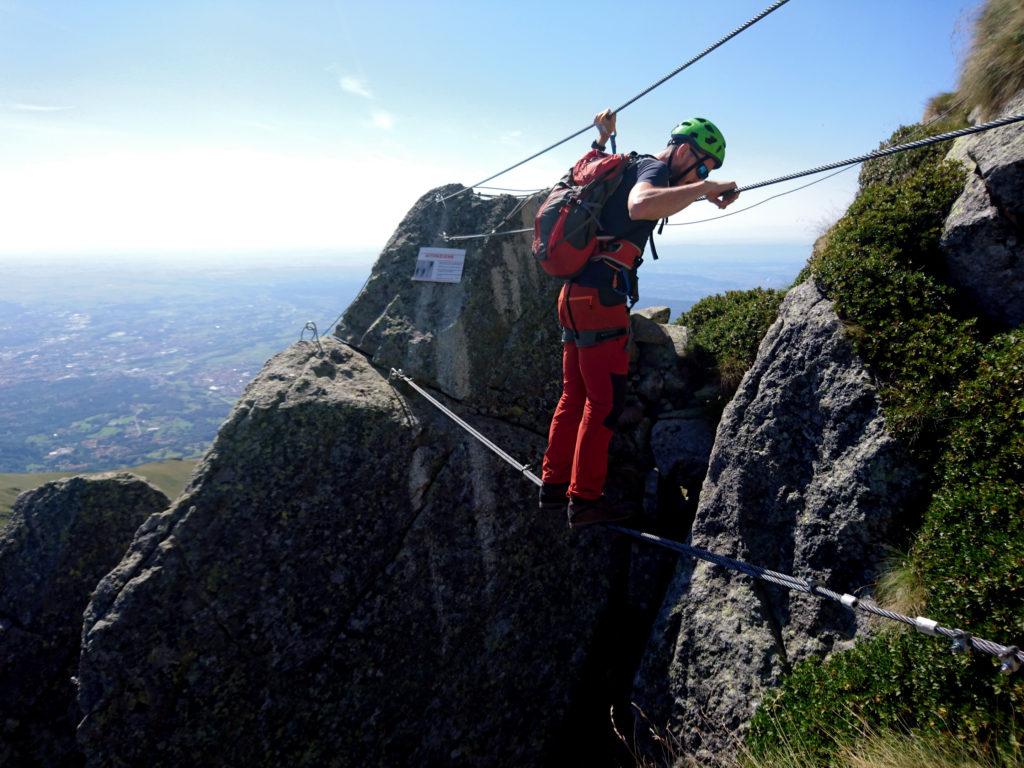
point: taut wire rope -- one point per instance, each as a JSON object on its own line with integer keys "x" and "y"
{"x": 1011, "y": 657}
{"x": 774, "y": 6}
{"x": 906, "y": 147}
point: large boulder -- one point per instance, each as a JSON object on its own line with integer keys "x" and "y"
{"x": 349, "y": 579}
{"x": 983, "y": 237}
{"x": 803, "y": 479}
{"x": 490, "y": 340}
{"x": 61, "y": 540}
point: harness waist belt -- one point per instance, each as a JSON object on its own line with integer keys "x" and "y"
{"x": 590, "y": 338}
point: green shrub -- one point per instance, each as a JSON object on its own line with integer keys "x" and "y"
{"x": 971, "y": 547}
{"x": 726, "y": 330}
{"x": 882, "y": 267}
{"x": 901, "y": 682}
{"x": 994, "y": 69}
{"x": 895, "y": 168}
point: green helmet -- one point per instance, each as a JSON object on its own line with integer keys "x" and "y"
{"x": 704, "y": 134}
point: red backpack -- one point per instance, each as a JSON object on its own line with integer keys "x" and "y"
{"x": 565, "y": 229}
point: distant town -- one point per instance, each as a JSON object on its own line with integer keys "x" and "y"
{"x": 128, "y": 376}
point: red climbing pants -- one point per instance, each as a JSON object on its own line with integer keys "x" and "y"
{"x": 593, "y": 389}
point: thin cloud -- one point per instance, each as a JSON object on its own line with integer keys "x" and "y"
{"x": 355, "y": 85}
{"x": 19, "y": 106}
{"x": 383, "y": 120}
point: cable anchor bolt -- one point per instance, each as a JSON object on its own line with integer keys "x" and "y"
{"x": 812, "y": 584}
{"x": 1010, "y": 662}
{"x": 315, "y": 338}
{"x": 961, "y": 642}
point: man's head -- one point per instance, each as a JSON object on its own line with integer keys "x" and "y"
{"x": 695, "y": 148}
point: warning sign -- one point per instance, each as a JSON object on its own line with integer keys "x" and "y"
{"x": 440, "y": 265}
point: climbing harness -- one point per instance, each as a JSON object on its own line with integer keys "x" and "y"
{"x": 673, "y": 73}
{"x": 1011, "y": 657}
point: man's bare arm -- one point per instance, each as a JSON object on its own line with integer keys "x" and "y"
{"x": 649, "y": 203}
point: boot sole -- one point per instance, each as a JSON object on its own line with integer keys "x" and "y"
{"x": 573, "y": 524}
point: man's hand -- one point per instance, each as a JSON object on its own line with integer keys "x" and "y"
{"x": 605, "y": 122}
{"x": 721, "y": 193}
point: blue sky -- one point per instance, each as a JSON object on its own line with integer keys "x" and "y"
{"x": 191, "y": 126}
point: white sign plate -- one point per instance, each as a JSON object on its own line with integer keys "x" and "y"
{"x": 440, "y": 265}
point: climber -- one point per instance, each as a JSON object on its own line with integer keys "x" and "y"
{"x": 594, "y": 317}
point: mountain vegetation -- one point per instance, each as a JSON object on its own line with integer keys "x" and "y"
{"x": 726, "y": 330}
{"x": 994, "y": 69}
{"x": 952, "y": 386}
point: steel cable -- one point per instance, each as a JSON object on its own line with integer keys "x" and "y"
{"x": 948, "y": 136}
{"x": 1011, "y": 657}
{"x": 523, "y": 469}
{"x": 643, "y": 93}
{"x": 954, "y": 106}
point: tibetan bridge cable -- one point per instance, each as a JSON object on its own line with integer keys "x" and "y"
{"x": 673, "y": 73}
{"x": 1010, "y": 657}
{"x": 948, "y": 136}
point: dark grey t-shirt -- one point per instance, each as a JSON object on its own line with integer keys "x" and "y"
{"x": 615, "y": 219}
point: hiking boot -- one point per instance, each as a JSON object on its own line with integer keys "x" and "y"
{"x": 554, "y": 496}
{"x": 589, "y": 511}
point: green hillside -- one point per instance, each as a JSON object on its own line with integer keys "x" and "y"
{"x": 169, "y": 476}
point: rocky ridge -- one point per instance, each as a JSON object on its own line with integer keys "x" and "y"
{"x": 349, "y": 579}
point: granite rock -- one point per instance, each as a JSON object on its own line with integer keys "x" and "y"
{"x": 983, "y": 237}
{"x": 803, "y": 479}
{"x": 491, "y": 340}
{"x": 349, "y": 580}
{"x": 60, "y": 541}
{"x": 657, "y": 314}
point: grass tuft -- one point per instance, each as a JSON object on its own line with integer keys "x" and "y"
{"x": 900, "y": 587}
{"x": 994, "y": 69}
{"x": 889, "y": 748}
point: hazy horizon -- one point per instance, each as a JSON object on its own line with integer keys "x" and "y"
{"x": 111, "y": 361}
